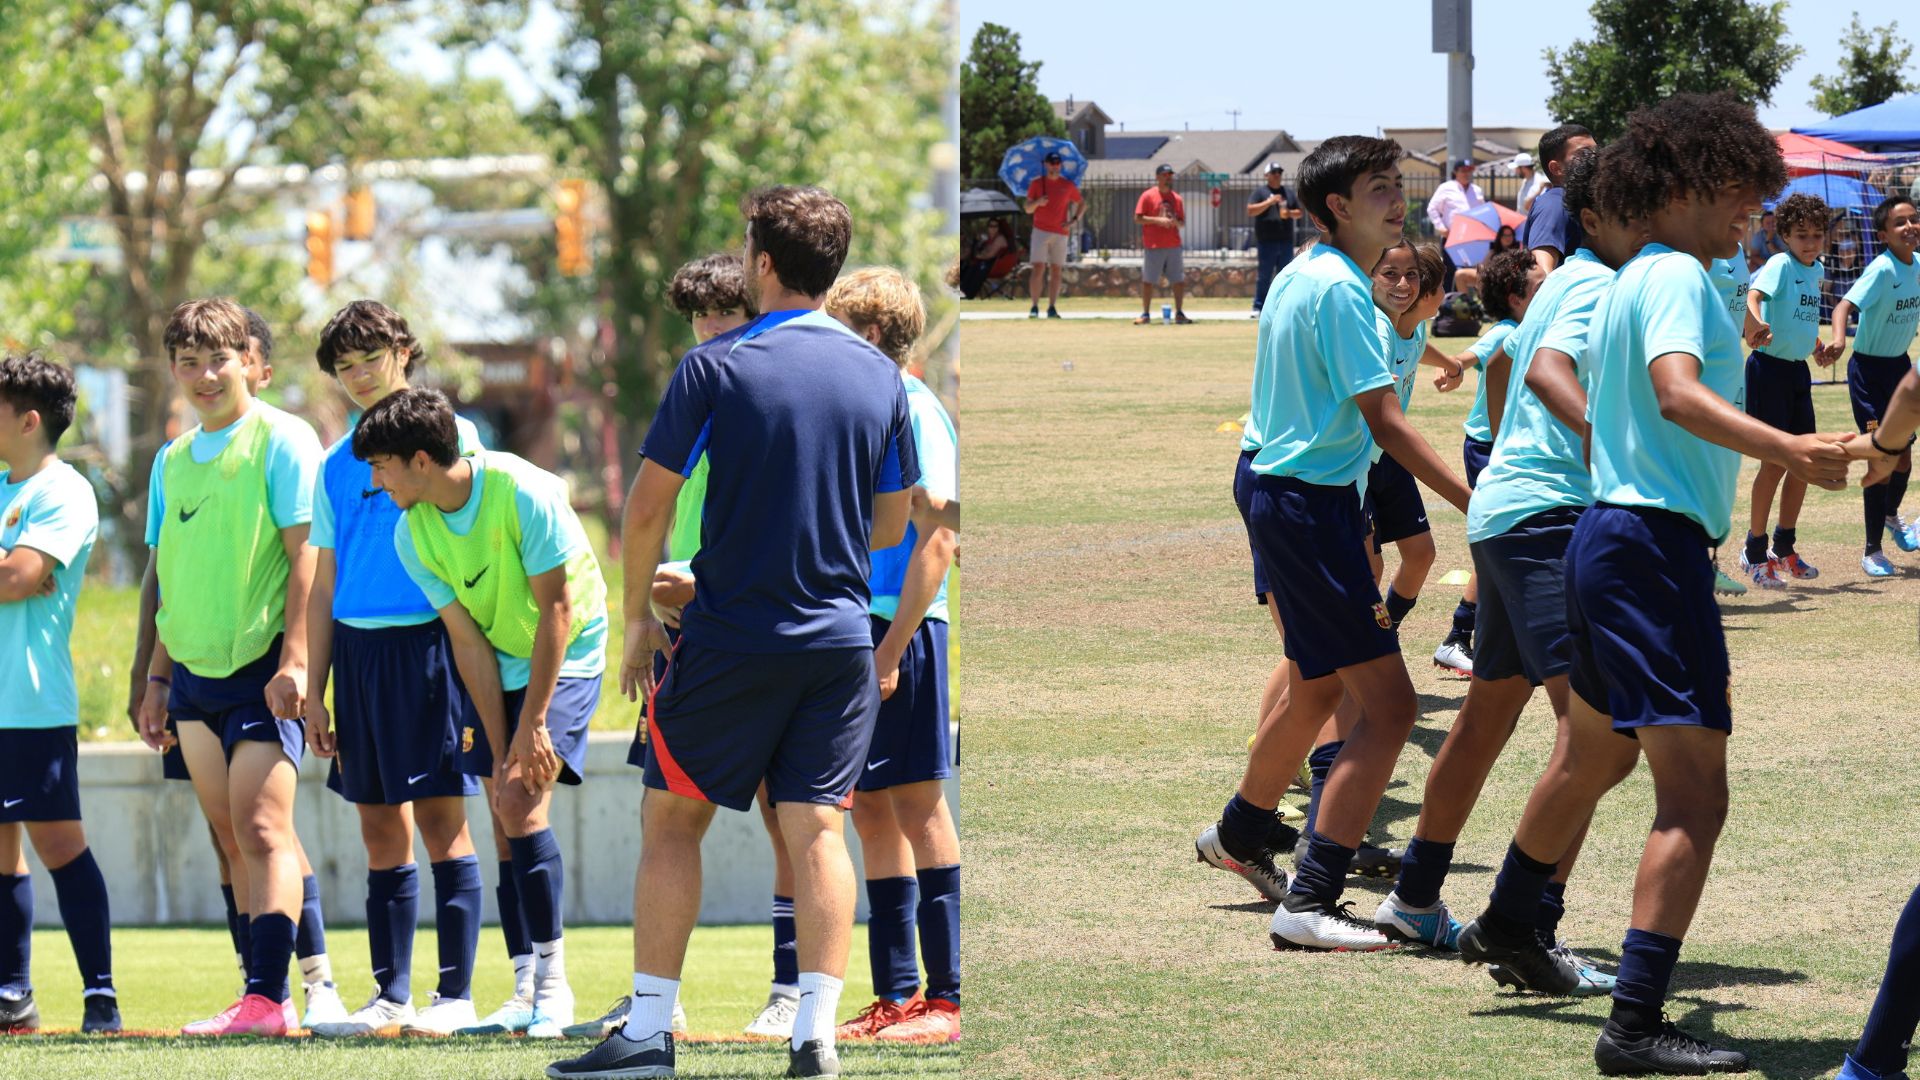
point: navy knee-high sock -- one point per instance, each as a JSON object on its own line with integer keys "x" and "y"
{"x": 786, "y": 955}
{"x": 1513, "y": 910}
{"x": 1874, "y": 501}
{"x": 1320, "y": 763}
{"x": 1896, "y": 491}
{"x": 513, "y": 921}
{"x": 537, "y": 870}
{"x": 233, "y": 927}
{"x": 243, "y": 935}
{"x": 1646, "y": 967}
{"x": 1896, "y": 1011}
{"x": 393, "y": 914}
{"x": 272, "y": 952}
{"x": 1465, "y": 614}
{"x": 310, "y": 937}
{"x": 1553, "y": 904}
{"x": 939, "y": 918}
{"x": 16, "y": 931}
{"x": 1244, "y": 827}
{"x": 1323, "y": 872}
{"x": 456, "y": 916}
{"x": 890, "y": 911}
{"x": 1423, "y": 870}
{"x": 82, "y": 894}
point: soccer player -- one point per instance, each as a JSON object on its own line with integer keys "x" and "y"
{"x": 907, "y": 836}
{"x": 1322, "y": 395}
{"x": 1649, "y": 661}
{"x": 1887, "y": 296}
{"x": 48, "y": 521}
{"x": 228, "y": 508}
{"x": 397, "y": 699}
{"x": 1402, "y": 280}
{"x": 494, "y": 544}
{"x": 1552, "y": 232}
{"x": 807, "y": 429}
{"x": 1732, "y": 278}
{"x": 1518, "y": 524}
{"x": 1784, "y": 302}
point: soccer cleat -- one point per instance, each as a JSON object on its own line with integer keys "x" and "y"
{"x": 1793, "y": 566}
{"x": 323, "y": 1005}
{"x": 1876, "y": 564}
{"x": 1033, "y": 312}
{"x": 18, "y": 1012}
{"x": 377, "y": 1017}
{"x": 254, "y": 1014}
{"x": 619, "y": 1057}
{"x": 1434, "y": 926}
{"x": 1853, "y": 1070}
{"x": 871, "y": 1020}
{"x": 815, "y": 1057}
{"x": 1531, "y": 966}
{"x": 1308, "y": 922}
{"x": 1905, "y": 537}
{"x": 1180, "y": 319}
{"x": 1725, "y": 585}
{"x": 552, "y": 1012}
{"x": 935, "y": 1023}
{"x": 509, "y": 1019}
{"x": 1666, "y": 1051}
{"x": 1592, "y": 981}
{"x": 1144, "y": 320}
{"x": 1259, "y": 871}
{"x": 286, "y": 1010}
{"x": 1456, "y": 655}
{"x": 1762, "y": 573}
{"x": 1051, "y": 313}
{"x": 442, "y": 1016}
{"x": 102, "y": 1015}
{"x": 776, "y": 1016}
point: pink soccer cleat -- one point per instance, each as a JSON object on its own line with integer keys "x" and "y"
{"x": 254, "y": 1014}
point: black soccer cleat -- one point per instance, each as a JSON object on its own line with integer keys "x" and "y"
{"x": 1529, "y": 963}
{"x": 18, "y": 1012}
{"x": 1664, "y": 1051}
{"x": 814, "y": 1058}
{"x": 102, "y": 1016}
{"x": 620, "y": 1058}
{"x": 1369, "y": 861}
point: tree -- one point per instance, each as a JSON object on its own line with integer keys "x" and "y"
{"x": 1873, "y": 68}
{"x": 1645, "y": 50}
{"x": 1000, "y": 102}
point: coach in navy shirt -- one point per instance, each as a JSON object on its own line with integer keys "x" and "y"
{"x": 1550, "y": 233}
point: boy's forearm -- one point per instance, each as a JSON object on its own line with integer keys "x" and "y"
{"x": 643, "y": 533}
{"x": 143, "y": 631}
{"x": 479, "y": 671}
{"x": 1498, "y": 370}
{"x": 300, "y": 558}
{"x": 320, "y": 631}
{"x": 549, "y": 652}
{"x": 1842, "y": 314}
{"x": 1397, "y": 437}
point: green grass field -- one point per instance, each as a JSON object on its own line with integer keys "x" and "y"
{"x": 1111, "y": 702}
{"x": 167, "y": 977}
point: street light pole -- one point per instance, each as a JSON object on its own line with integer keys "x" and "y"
{"x": 1453, "y": 35}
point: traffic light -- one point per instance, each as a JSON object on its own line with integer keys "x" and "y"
{"x": 570, "y": 227}
{"x": 360, "y": 214}
{"x": 320, "y": 247}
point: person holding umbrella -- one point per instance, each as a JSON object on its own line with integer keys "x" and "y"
{"x": 1056, "y": 206}
{"x": 1451, "y": 197}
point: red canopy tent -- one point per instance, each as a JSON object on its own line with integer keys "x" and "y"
{"x": 1808, "y": 154}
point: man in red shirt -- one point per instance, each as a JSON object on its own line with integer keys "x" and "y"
{"x": 1161, "y": 213}
{"x": 1054, "y": 201}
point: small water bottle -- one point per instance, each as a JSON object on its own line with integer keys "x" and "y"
{"x": 1166, "y": 313}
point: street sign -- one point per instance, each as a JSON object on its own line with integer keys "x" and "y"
{"x": 1215, "y": 177}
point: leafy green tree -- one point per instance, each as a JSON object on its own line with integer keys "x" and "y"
{"x": 1873, "y": 68}
{"x": 1000, "y": 102}
{"x": 1646, "y": 50}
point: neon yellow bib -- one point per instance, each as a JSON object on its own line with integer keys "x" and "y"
{"x": 484, "y": 569}
{"x": 223, "y": 571}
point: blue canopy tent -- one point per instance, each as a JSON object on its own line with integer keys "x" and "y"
{"x": 1890, "y": 125}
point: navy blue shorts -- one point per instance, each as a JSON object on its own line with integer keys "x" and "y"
{"x": 911, "y": 739}
{"x": 1242, "y": 496}
{"x": 235, "y": 708}
{"x": 39, "y": 774}
{"x": 721, "y": 722}
{"x": 1780, "y": 393}
{"x": 1475, "y": 454}
{"x": 398, "y": 707}
{"x": 1393, "y": 503}
{"x": 1310, "y": 538}
{"x": 173, "y": 761}
{"x": 1522, "y": 620}
{"x": 1870, "y": 383}
{"x": 568, "y": 715}
{"x": 1645, "y": 628}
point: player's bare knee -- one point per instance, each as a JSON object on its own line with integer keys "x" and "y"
{"x": 57, "y": 842}
{"x": 443, "y": 827}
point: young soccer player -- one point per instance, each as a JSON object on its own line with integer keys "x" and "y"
{"x": 1322, "y": 395}
{"x": 1732, "y": 279}
{"x": 1518, "y": 524}
{"x": 907, "y": 837}
{"x": 807, "y": 429}
{"x": 397, "y": 700}
{"x": 494, "y": 544}
{"x": 1784, "y": 302}
{"x": 1649, "y": 662}
{"x": 228, "y": 508}
{"x": 48, "y": 521}
{"x": 1887, "y": 297}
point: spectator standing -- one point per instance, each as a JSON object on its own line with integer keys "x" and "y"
{"x": 1451, "y": 197}
{"x": 1532, "y": 180}
{"x": 1056, "y": 206}
{"x": 1550, "y": 232}
{"x": 1273, "y": 210}
{"x": 1161, "y": 213}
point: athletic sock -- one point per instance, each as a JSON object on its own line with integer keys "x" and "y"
{"x": 1465, "y": 614}
{"x": 310, "y": 937}
{"x": 1244, "y": 828}
{"x": 786, "y": 955}
{"x": 456, "y": 916}
{"x": 16, "y": 931}
{"x": 1874, "y": 500}
{"x": 1398, "y": 606}
{"x": 1640, "y": 989}
{"x": 537, "y": 871}
{"x": 1514, "y": 907}
{"x": 523, "y": 973}
{"x": 243, "y": 933}
{"x": 890, "y": 909}
{"x": 1896, "y": 491}
{"x": 393, "y": 914}
{"x": 1756, "y": 549}
{"x": 939, "y": 919}
{"x": 651, "y": 1011}
{"x": 1553, "y": 904}
{"x": 272, "y": 951}
{"x": 1423, "y": 870}
{"x": 549, "y": 964}
{"x": 819, "y": 1000}
{"x": 1783, "y": 540}
{"x": 1323, "y": 871}
{"x": 1896, "y": 1010}
{"x": 513, "y": 922}
{"x": 233, "y": 929}
{"x": 1319, "y": 764}
{"x": 82, "y": 894}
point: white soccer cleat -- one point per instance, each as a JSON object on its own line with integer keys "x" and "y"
{"x": 776, "y": 1017}
{"x": 1454, "y": 656}
{"x": 442, "y": 1016}
{"x": 323, "y": 1005}
{"x": 1307, "y": 922}
{"x": 1433, "y": 926}
{"x": 377, "y": 1017}
{"x": 552, "y": 1012}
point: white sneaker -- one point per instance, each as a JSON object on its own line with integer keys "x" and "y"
{"x": 1433, "y": 926}
{"x": 509, "y": 1019}
{"x": 442, "y": 1016}
{"x": 776, "y": 1017}
{"x": 552, "y": 1012}
{"x": 377, "y": 1017}
{"x": 323, "y": 1005}
{"x": 1455, "y": 657}
{"x": 1306, "y": 922}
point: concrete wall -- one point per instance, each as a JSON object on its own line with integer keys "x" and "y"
{"x": 153, "y": 847}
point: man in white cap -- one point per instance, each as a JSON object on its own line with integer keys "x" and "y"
{"x": 1532, "y": 182}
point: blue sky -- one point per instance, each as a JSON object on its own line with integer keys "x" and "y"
{"x": 1160, "y": 65}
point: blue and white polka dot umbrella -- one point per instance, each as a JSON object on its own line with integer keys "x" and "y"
{"x": 1026, "y": 161}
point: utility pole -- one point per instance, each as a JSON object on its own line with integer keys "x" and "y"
{"x": 1453, "y": 35}
{"x": 1235, "y": 113}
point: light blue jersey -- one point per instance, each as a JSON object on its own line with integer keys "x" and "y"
{"x": 550, "y": 534}
{"x": 1888, "y": 298}
{"x": 1479, "y": 427}
{"x": 54, "y": 512}
{"x": 1662, "y": 302}
{"x": 1538, "y": 462}
{"x": 1731, "y": 280}
{"x": 293, "y": 462}
{"x": 1790, "y": 304}
{"x": 1403, "y": 359}
{"x": 1318, "y": 347}
{"x": 939, "y": 449}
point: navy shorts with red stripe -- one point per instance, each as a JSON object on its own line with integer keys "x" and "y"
{"x": 39, "y": 774}
{"x": 912, "y": 741}
{"x": 722, "y": 721}
{"x": 235, "y": 707}
{"x": 568, "y": 713}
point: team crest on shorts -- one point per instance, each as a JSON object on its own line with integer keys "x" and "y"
{"x": 466, "y": 740}
{"x": 1380, "y": 616}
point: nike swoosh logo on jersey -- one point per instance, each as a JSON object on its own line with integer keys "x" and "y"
{"x": 368, "y": 493}
{"x": 475, "y": 578}
{"x": 186, "y": 515}
{"x": 416, "y": 779}
{"x": 871, "y": 765}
